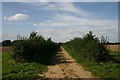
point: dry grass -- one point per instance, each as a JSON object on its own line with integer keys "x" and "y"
{"x": 5, "y": 48}
{"x": 114, "y": 47}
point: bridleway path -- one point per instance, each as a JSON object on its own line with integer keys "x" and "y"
{"x": 65, "y": 66}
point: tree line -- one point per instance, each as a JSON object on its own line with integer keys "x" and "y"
{"x": 37, "y": 48}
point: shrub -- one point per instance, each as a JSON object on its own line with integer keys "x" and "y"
{"x": 89, "y": 47}
{"x": 6, "y": 43}
{"x": 34, "y": 48}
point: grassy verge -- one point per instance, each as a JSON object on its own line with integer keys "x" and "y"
{"x": 115, "y": 56}
{"x": 103, "y": 69}
{"x": 17, "y": 70}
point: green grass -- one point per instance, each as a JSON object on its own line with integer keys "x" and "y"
{"x": 115, "y": 56}
{"x": 17, "y": 70}
{"x": 102, "y": 70}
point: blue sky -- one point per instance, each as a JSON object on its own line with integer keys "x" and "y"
{"x": 60, "y": 21}
{"x": 59, "y": 0}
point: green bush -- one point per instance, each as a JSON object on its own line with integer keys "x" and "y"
{"x": 89, "y": 47}
{"x": 6, "y": 43}
{"x": 34, "y": 48}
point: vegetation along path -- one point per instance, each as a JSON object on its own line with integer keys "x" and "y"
{"x": 64, "y": 66}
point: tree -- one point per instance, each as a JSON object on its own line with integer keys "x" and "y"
{"x": 6, "y": 43}
{"x": 104, "y": 39}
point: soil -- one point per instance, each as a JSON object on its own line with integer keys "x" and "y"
{"x": 64, "y": 66}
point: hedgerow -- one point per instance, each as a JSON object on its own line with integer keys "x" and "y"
{"x": 89, "y": 47}
{"x": 34, "y": 48}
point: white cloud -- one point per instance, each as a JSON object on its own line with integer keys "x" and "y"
{"x": 6, "y": 36}
{"x": 63, "y": 35}
{"x": 65, "y": 20}
{"x": 61, "y": 6}
{"x": 17, "y": 17}
{"x": 60, "y": 35}
{"x": 68, "y": 27}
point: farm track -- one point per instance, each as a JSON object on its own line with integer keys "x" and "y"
{"x": 64, "y": 66}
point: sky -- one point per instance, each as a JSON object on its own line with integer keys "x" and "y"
{"x": 59, "y": 0}
{"x": 61, "y": 21}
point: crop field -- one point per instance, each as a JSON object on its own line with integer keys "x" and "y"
{"x": 114, "y": 47}
{"x": 5, "y": 48}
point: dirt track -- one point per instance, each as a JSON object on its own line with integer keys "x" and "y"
{"x": 64, "y": 66}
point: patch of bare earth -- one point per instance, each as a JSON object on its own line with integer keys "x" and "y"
{"x": 64, "y": 66}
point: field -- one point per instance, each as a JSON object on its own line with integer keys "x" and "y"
{"x": 6, "y": 48}
{"x": 114, "y": 47}
{"x": 18, "y": 70}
